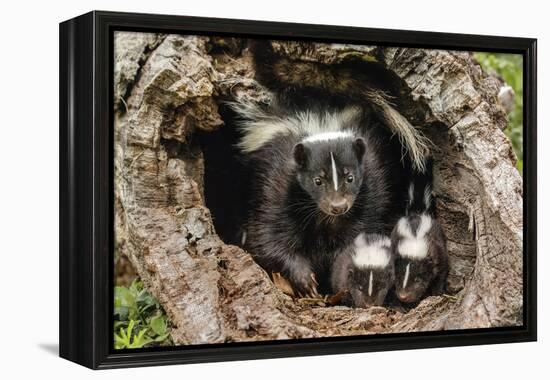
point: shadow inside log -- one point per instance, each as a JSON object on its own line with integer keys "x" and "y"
{"x": 226, "y": 179}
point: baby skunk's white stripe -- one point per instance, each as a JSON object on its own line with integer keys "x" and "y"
{"x": 334, "y": 172}
{"x": 370, "y": 284}
{"x": 425, "y": 225}
{"x": 407, "y": 272}
{"x": 375, "y": 254}
{"x": 414, "y": 246}
{"x": 404, "y": 229}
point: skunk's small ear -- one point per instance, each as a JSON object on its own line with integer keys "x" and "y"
{"x": 359, "y": 147}
{"x": 301, "y": 155}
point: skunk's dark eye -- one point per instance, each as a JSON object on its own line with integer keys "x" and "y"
{"x": 317, "y": 181}
{"x": 350, "y": 178}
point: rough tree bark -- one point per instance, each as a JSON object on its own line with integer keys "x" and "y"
{"x": 165, "y": 89}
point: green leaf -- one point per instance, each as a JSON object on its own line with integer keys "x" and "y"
{"x": 140, "y": 340}
{"x": 158, "y": 324}
{"x": 139, "y": 319}
{"x": 124, "y": 297}
{"x": 136, "y": 286}
{"x": 120, "y": 324}
{"x": 129, "y": 330}
{"x": 121, "y": 312}
{"x": 119, "y": 344}
{"x": 122, "y": 340}
{"x": 162, "y": 338}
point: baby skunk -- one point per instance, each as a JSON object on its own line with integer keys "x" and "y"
{"x": 365, "y": 270}
{"x": 419, "y": 245}
{"x": 316, "y": 183}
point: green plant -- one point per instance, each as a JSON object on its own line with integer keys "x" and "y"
{"x": 139, "y": 319}
{"x": 510, "y": 68}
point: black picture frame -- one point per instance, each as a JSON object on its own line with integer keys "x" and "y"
{"x": 86, "y": 189}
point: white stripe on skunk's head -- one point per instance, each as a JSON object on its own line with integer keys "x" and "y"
{"x": 413, "y": 244}
{"x": 260, "y": 125}
{"x": 370, "y": 283}
{"x": 334, "y": 172}
{"x": 371, "y": 252}
{"x": 407, "y": 274}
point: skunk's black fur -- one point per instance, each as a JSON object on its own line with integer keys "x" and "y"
{"x": 364, "y": 282}
{"x": 287, "y": 232}
{"x": 417, "y": 275}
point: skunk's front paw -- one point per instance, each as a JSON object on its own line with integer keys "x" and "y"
{"x": 305, "y": 284}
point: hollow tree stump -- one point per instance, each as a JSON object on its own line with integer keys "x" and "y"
{"x": 166, "y": 88}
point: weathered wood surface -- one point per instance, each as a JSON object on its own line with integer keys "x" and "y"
{"x": 213, "y": 292}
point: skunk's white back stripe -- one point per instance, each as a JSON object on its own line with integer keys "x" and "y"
{"x": 334, "y": 172}
{"x": 375, "y": 254}
{"x": 326, "y": 136}
{"x": 370, "y": 284}
{"x": 404, "y": 229}
{"x": 407, "y": 272}
{"x": 259, "y": 125}
{"x": 425, "y": 225}
{"x": 414, "y": 246}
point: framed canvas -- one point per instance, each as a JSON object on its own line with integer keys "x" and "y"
{"x": 235, "y": 189}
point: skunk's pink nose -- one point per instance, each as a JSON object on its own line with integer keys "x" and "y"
{"x": 405, "y": 297}
{"x": 339, "y": 207}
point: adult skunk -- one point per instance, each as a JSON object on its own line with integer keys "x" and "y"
{"x": 319, "y": 178}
